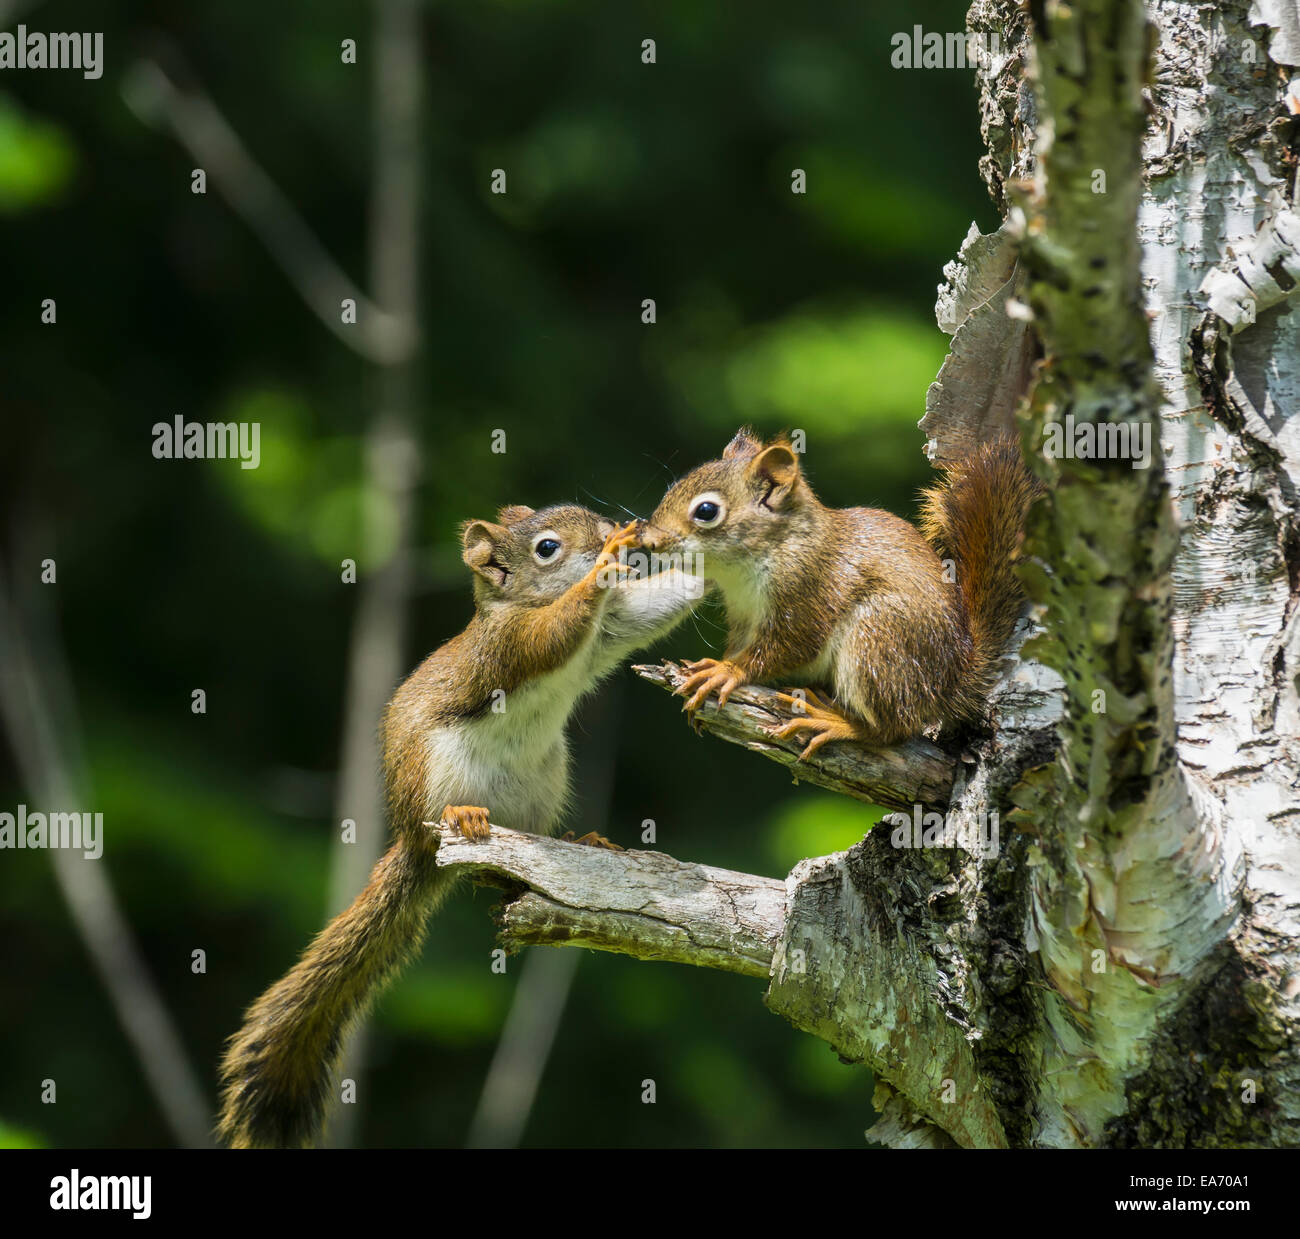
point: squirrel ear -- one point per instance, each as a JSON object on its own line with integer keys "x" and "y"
{"x": 479, "y": 541}
{"x": 775, "y": 470}
{"x": 514, "y": 513}
{"x": 744, "y": 444}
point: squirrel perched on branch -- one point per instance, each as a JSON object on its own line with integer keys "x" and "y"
{"x": 477, "y": 728}
{"x": 855, "y": 599}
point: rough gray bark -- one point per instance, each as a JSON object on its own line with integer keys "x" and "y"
{"x": 1123, "y": 970}
{"x": 635, "y": 903}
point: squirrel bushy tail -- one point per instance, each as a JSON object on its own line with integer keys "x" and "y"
{"x": 277, "y": 1070}
{"x": 976, "y": 516}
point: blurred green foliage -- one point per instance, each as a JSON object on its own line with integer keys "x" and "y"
{"x": 626, "y": 181}
{"x": 19, "y": 1138}
{"x": 36, "y": 159}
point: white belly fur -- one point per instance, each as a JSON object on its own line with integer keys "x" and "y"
{"x": 743, "y": 591}
{"x": 515, "y": 763}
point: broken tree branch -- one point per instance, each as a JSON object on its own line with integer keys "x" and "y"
{"x": 873, "y": 994}
{"x": 636, "y": 903}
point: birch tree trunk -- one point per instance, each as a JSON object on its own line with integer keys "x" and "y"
{"x": 1164, "y": 885}
{"x": 1121, "y": 969}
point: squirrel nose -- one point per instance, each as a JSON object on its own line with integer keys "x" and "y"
{"x": 655, "y": 539}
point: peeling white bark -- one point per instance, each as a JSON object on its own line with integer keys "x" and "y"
{"x": 1196, "y": 892}
{"x": 1219, "y": 233}
{"x": 982, "y": 379}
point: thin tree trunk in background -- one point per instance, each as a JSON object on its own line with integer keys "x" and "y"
{"x": 542, "y": 992}
{"x": 39, "y": 714}
{"x": 376, "y": 657}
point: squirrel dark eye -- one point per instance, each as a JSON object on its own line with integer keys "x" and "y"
{"x": 546, "y": 548}
{"x": 706, "y": 512}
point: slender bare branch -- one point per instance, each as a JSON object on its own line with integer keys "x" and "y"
{"x": 916, "y": 772}
{"x": 376, "y": 649}
{"x": 542, "y": 992}
{"x": 875, "y": 997}
{"x": 379, "y": 335}
{"x": 32, "y": 686}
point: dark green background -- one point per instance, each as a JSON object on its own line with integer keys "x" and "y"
{"x": 626, "y": 181}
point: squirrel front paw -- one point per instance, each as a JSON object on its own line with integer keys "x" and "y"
{"x": 622, "y": 538}
{"x": 608, "y": 568}
{"x": 470, "y": 820}
{"x": 708, "y": 676}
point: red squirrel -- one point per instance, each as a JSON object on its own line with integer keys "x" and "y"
{"x": 854, "y": 599}
{"x": 477, "y": 730}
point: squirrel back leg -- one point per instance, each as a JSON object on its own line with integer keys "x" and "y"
{"x": 822, "y": 720}
{"x": 896, "y": 666}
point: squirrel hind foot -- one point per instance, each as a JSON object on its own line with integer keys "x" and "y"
{"x": 824, "y": 722}
{"x": 590, "y": 840}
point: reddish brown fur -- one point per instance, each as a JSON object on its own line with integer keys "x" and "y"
{"x": 275, "y": 1073}
{"x": 277, "y": 1069}
{"x": 976, "y": 515}
{"x": 804, "y": 583}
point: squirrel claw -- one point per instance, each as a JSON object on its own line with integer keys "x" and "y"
{"x": 590, "y": 840}
{"x": 823, "y": 721}
{"x": 607, "y": 562}
{"x": 804, "y": 701}
{"x": 470, "y": 820}
{"x": 708, "y": 676}
{"x": 625, "y": 536}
